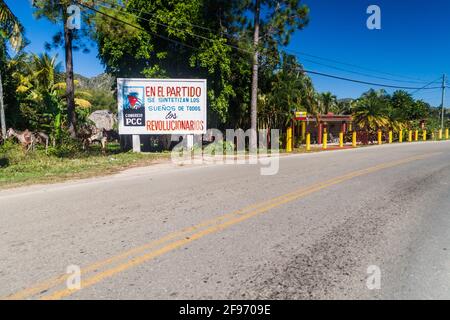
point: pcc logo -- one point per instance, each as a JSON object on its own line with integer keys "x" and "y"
{"x": 133, "y": 106}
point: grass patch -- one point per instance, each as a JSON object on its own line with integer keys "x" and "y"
{"x": 18, "y": 168}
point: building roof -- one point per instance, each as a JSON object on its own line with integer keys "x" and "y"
{"x": 330, "y": 117}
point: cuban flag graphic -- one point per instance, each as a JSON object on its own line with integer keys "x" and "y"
{"x": 133, "y": 100}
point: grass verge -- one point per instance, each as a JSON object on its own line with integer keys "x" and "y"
{"x": 18, "y": 168}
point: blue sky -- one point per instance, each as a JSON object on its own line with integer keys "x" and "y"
{"x": 40, "y": 31}
{"x": 414, "y": 42}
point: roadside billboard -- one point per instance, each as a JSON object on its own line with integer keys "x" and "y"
{"x": 161, "y": 106}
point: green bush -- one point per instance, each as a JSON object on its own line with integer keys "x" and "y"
{"x": 218, "y": 147}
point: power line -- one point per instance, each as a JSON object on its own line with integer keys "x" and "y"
{"x": 425, "y": 86}
{"x": 366, "y": 82}
{"x": 354, "y": 66}
{"x": 356, "y": 72}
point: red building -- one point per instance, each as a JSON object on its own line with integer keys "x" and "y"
{"x": 316, "y": 126}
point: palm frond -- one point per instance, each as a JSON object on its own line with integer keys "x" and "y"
{"x": 11, "y": 28}
{"x": 82, "y": 103}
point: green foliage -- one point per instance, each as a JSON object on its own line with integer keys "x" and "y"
{"x": 11, "y": 103}
{"x": 102, "y": 100}
{"x": 405, "y": 108}
{"x": 372, "y": 110}
{"x": 328, "y": 101}
{"x": 278, "y": 21}
{"x": 65, "y": 162}
{"x": 378, "y": 110}
{"x": 41, "y": 96}
{"x": 286, "y": 93}
{"x": 345, "y": 107}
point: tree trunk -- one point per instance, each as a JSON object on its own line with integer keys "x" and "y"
{"x": 254, "y": 98}
{"x": 70, "y": 87}
{"x": 2, "y": 109}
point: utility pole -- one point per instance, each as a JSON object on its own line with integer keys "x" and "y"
{"x": 254, "y": 97}
{"x": 442, "y": 102}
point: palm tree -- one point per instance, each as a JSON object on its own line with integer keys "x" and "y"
{"x": 344, "y": 106}
{"x": 41, "y": 94}
{"x": 328, "y": 101}
{"x": 310, "y": 98}
{"x": 55, "y": 11}
{"x": 371, "y": 112}
{"x": 12, "y": 31}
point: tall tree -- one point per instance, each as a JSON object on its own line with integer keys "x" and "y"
{"x": 280, "y": 20}
{"x": 284, "y": 93}
{"x": 56, "y": 12}
{"x": 255, "y": 64}
{"x": 12, "y": 31}
{"x": 402, "y": 104}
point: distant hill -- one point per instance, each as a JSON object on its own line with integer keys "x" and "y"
{"x": 102, "y": 82}
{"x": 345, "y": 100}
{"x": 100, "y": 88}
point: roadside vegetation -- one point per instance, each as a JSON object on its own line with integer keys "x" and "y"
{"x": 18, "y": 168}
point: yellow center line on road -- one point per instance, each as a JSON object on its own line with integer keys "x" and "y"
{"x": 190, "y": 234}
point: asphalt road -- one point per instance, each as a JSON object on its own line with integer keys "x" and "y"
{"x": 227, "y": 232}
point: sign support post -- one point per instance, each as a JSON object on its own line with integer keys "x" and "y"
{"x": 136, "y": 143}
{"x": 190, "y": 142}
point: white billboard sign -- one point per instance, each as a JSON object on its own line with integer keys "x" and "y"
{"x": 162, "y": 106}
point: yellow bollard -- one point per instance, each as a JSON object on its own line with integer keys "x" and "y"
{"x": 416, "y": 136}
{"x": 424, "y": 135}
{"x": 308, "y": 141}
{"x": 390, "y": 136}
{"x": 400, "y": 136}
{"x": 379, "y": 137}
{"x": 303, "y": 130}
{"x": 433, "y": 135}
{"x": 446, "y": 134}
{"x": 354, "y": 139}
{"x": 440, "y": 134}
{"x": 341, "y": 139}
{"x": 289, "y": 139}
{"x": 325, "y": 142}
{"x": 410, "y": 136}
